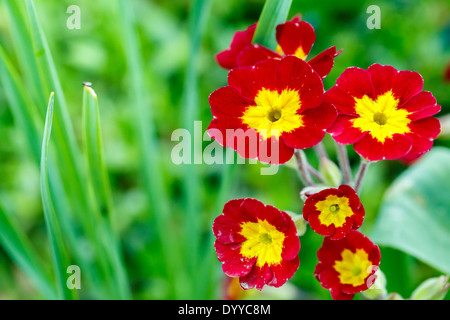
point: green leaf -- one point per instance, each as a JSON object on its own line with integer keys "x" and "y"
{"x": 16, "y": 243}
{"x": 274, "y": 12}
{"x": 101, "y": 192}
{"x": 190, "y": 113}
{"x": 415, "y": 214}
{"x": 57, "y": 244}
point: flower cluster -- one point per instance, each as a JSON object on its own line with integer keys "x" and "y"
{"x": 274, "y": 106}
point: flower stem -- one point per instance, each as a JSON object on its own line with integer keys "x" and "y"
{"x": 361, "y": 174}
{"x": 344, "y": 163}
{"x": 316, "y": 174}
{"x": 321, "y": 151}
{"x": 302, "y": 166}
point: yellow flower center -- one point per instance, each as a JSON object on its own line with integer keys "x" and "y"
{"x": 299, "y": 53}
{"x": 264, "y": 241}
{"x": 381, "y": 117}
{"x": 333, "y": 210}
{"x": 354, "y": 267}
{"x": 274, "y": 113}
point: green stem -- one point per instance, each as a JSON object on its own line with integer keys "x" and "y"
{"x": 321, "y": 151}
{"x": 302, "y": 166}
{"x": 344, "y": 163}
{"x": 361, "y": 174}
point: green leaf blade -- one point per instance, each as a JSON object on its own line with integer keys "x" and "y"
{"x": 415, "y": 215}
{"x": 274, "y": 12}
{"x": 59, "y": 254}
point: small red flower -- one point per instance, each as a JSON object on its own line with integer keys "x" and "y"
{"x": 347, "y": 266}
{"x": 257, "y": 243}
{"x": 228, "y": 59}
{"x": 270, "y": 109}
{"x": 334, "y": 212}
{"x": 383, "y": 112}
{"x": 294, "y": 37}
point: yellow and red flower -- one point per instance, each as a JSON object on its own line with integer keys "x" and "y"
{"x": 270, "y": 109}
{"x": 294, "y": 37}
{"x": 257, "y": 243}
{"x": 383, "y": 112}
{"x": 334, "y": 212}
{"x": 347, "y": 266}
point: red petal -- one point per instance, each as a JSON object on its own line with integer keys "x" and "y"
{"x": 426, "y": 128}
{"x": 303, "y": 138}
{"x": 424, "y": 131}
{"x": 283, "y": 272}
{"x": 421, "y": 105}
{"x": 227, "y": 102}
{"x": 252, "y": 54}
{"x": 324, "y": 61}
{"x": 315, "y": 121}
{"x": 373, "y": 150}
{"x": 321, "y": 117}
{"x": 243, "y": 79}
{"x": 356, "y": 82}
{"x": 234, "y": 264}
{"x": 228, "y": 58}
{"x": 404, "y": 84}
{"x": 343, "y": 132}
{"x": 250, "y": 80}
{"x": 296, "y": 74}
{"x": 382, "y": 78}
{"x": 231, "y": 133}
{"x": 293, "y": 35}
{"x": 227, "y": 226}
{"x": 265, "y": 73}
{"x": 257, "y": 277}
{"x": 341, "y": 99}
{"x": 274, "y": 151}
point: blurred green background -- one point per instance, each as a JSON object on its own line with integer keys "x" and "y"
{"x": 160, "y": 55}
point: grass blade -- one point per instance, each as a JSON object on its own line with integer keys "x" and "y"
{"x": 191, "y": 182}
{"x": 23, "y": 44}
{"x": 274, "y": 12}
{"x": 98, "y": 181}
{"x": 149, "y": 146}
{"x": 58, "y": 251}
{"x": 15, "y": 242}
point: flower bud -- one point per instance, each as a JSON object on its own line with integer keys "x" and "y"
{"x": 299, "y": 222}
{"x": 307, "y": 191}
{"x": 330, "y": 172}
{"x": 432, "y": 289}
{"x": 394, "y": 296}
{"x": 378, "y": 288}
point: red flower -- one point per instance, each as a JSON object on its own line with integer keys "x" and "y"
{"x": 334, "y": 212}
{"x": 347, "y": 266}
{"x": 228, "y": 59}
{"x": 294, "y": 37}
{"x": 383, "y": 112}
{"x": 257, "y": 243}
{"x": 270, "y": 109}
